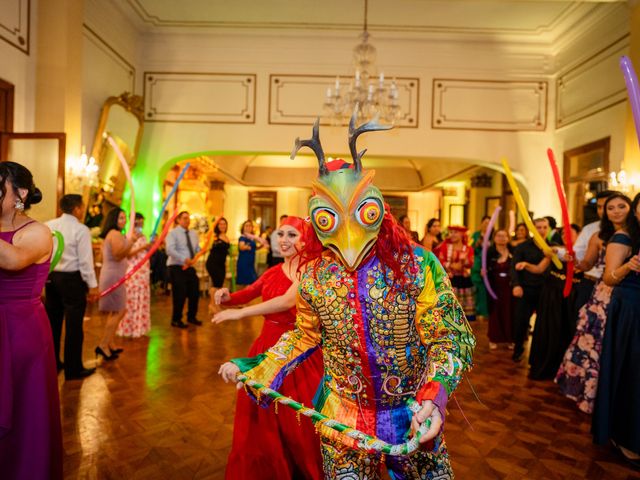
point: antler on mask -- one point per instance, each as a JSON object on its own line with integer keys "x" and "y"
{"x": 354, "y": 133}
{"x": 314, "y": 144}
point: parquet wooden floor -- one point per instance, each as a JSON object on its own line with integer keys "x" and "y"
{"x": 161, "y": 412}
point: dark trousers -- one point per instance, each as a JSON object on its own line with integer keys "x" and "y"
{"x": 523, "y": 309}
{"x": 66, "y": 299}
{"x": 184, "y": 284}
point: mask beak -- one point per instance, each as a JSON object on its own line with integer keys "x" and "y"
{"x": 352, "y": 244}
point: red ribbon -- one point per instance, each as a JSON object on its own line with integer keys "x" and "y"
{"x": 143, "y": 260}
{"x": 566, "y": 230}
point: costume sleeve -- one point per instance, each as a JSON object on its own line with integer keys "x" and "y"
{"x": 444, "y": 330}
{"x": 295, "y": 346}
{"x": 247, "y": 294}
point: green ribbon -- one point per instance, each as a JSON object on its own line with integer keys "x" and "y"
{"x": 57, "y": 255}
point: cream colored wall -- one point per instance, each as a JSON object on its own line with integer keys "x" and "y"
{"x": 19, "y": 69}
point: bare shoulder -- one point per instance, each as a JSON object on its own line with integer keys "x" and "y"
{"x": 33, "y": 231}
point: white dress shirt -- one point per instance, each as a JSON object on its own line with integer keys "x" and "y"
{"x": 177, "y": 247}
{"x": 78, "y": 254}
{"x": 582, "y": 243}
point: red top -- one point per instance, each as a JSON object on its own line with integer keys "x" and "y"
{"x": 272, "y": 283}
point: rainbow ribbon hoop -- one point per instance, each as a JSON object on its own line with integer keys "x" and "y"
{"x": 127, "y": 173}
{"x": 166, "y": 200}
{"x": 365, "y": 442}
{"x": 55, "y": 259}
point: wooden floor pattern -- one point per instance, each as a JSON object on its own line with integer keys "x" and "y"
{"x": 161, "y": 412}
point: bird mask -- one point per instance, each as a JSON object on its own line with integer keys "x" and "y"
{"x": 346, "y": 209}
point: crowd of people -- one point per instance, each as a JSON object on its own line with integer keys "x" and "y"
{"x": 587, "y": 342}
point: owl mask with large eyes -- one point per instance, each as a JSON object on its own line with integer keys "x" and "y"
{"x": 346, "y": 209}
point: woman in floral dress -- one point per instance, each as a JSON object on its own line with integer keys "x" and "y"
{"x": 579, "y": 371}
{"x": 137, "y": 320}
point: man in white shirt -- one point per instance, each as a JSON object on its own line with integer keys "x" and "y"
{"x": 587, "y": 282}
{"x": 182, "y": 245}
{"x": 68, "y": 286}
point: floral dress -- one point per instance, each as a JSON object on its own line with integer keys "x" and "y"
{"x": 137, "y": 320}
{"x": 579, "y": 371}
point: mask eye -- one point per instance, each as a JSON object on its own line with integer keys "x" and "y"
{"x": 368, "y": 213}
{"x": 325, "y": 220}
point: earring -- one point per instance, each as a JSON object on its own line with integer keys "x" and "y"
{"x": 19, "y": 205}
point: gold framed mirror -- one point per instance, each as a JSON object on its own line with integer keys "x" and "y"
{"x": 122, "y": 118}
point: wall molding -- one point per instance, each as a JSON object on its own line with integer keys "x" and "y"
{"x": 15, "y": 25}
{"x": 200, "y": 97}
{"x": 112, "y": 53}
{"x": 584, "y": 90}
{"x": 489, "y": 105}
{"x": 298, "y": 99}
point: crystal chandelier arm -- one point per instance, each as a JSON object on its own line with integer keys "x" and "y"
{"x": 314, "y": 144}
{"x": 354, "y": 133}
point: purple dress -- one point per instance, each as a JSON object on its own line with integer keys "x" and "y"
{"x": 30, "y": 432}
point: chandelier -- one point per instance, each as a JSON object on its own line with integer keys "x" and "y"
{"x": 368, "y": 91}
{"x": 81, "y": 171}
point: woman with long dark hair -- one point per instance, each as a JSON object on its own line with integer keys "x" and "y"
{"x": 248, "y": 243}
{"x": 217, "y": 259}
{"x": 115, "y": 250}
{"x": 501, "y": 309}
{"x": 30, "y": 432}
{"x": 432, "y": 235}
{"x": 579, "y": 371}
{"x": 616, "y": 415}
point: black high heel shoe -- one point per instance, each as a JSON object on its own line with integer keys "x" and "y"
{"x": 99, "y": 351}
{"x": 117, "y": 351}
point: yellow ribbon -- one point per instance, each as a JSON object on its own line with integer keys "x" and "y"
{"x": 537, "y": 238}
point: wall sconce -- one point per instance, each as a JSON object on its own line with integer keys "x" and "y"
{"x": 622, "y": 181}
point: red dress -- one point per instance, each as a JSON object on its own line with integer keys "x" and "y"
{"x": 266, "y": 445}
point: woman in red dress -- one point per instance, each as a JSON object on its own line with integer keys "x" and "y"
{"x": 265, "y": 446}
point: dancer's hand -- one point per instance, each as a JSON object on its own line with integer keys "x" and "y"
{"x": 429, "y": 410}
{"x": 518, "y": 292}
{"x": 521, "y": 266}
{"x": 226, "y": 315}
{"x": 229, "y": 371}
{"x": 221, "y": 296}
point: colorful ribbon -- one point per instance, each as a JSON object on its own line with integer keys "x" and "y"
{"x": 566, "y": 222}
{"x": 144, "y": 259}
{"x": 485, "y": 249}
{"x": 537, "y": 238}
{"x": 57, "y": 255}
{"x": 365, "y": 442}
{"x": 633, "y": 90}
{"x": 166, "y": 201}
{"x": 127, "y": 172}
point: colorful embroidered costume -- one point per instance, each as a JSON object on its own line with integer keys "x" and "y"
{"x": 383, "y": 313}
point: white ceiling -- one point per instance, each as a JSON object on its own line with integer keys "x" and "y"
{"x": 540, "y": 19}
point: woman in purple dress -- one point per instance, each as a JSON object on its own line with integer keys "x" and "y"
{"x": 500, "y": 310}
{"x": 30, "y": 432}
